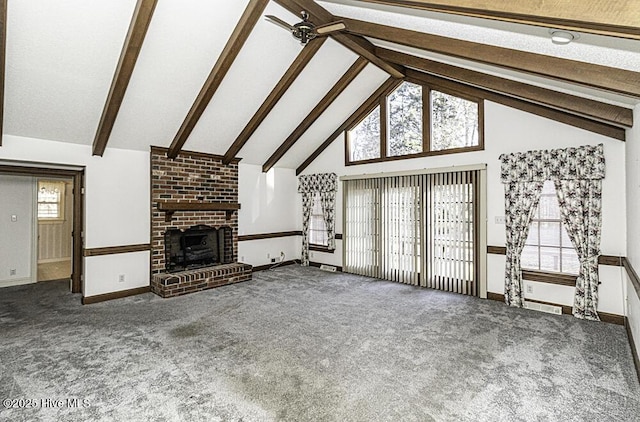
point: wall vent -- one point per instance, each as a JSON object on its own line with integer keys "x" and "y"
{"x": 329, "y": 268}
{"x": 550, "y": 309}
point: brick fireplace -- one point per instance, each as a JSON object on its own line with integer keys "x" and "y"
{"x": 189, "y": 193}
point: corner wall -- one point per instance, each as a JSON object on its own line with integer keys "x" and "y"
{"x": 116, "y": 206}
{"x": 510, "y": 130}
{"x": 270, "y": 204}
{"x": 633, "y": 225}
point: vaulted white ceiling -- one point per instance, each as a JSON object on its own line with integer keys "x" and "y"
{"x": 61, "y": 57}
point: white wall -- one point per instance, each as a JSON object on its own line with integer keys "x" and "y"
{"x": 633, "y": 223}
{"x": 116, "y": 205}
{"x": 510, "y": 130}
{"x": 270, "y": 203}
{"x": 16, "y": 237}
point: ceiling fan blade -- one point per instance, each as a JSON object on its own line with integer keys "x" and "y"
{"x": 280, "y": 22}
{"x": 330, "y": 27}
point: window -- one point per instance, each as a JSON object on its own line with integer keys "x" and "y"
{"x": 548, "y": 247}
{"x": 454, "y": 122}
{"x": 413, "y": 120}
{"x": 404, "y": 106}
{"x": 317, "y": 225}
{"x": 418, "y": 229}
{"x": 365, "y": 138}
{"x": 50, "y": 200}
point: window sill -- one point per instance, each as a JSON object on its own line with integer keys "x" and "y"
{"x": 418, "y": 155}
{"x": 320, "y": 248}
{"x": 549, "y": 277}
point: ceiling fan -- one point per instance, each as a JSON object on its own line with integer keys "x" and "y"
{"x": 305, "y": 31}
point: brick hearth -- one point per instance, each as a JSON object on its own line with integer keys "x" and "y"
{"x": 176, "y": 284}
{"x": 193, "y": 178}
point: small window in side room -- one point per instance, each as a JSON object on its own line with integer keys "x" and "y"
{"x": 364, "y": 138}
{"x": 454, "y": 122}
{"x": 317, "y": 225}
{"x": 51, "y": 196}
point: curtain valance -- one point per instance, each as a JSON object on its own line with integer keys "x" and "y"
{"x": 582, "y": 163}
{"x": 320, "y": 182}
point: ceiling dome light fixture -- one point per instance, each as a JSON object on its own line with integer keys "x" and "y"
{"x": 561, "y": 37}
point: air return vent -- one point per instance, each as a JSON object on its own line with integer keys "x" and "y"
{"x": 329, "y": 268}
{"x": 550, "y": 309}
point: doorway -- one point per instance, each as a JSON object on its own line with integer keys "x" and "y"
{"x": 56, "y": 234}
{"x": 54, "y": 219}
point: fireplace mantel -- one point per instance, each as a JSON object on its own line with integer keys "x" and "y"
{"x": 169, "y": 207}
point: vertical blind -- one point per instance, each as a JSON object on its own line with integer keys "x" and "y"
{"x": 414, "y": 229}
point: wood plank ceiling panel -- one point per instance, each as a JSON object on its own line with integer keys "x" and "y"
{"x": 597, "y": 76}
{"x": 617, "y": 18}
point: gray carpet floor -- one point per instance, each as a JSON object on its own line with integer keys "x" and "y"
{"x": 300, "y": 344}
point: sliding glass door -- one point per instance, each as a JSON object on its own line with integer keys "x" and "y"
{"x": 417, "y": 229}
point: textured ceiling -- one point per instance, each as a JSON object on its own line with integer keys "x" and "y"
{"x": 61, "y": 57}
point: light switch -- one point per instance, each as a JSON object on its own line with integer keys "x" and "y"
{"x": 14, "y": 218}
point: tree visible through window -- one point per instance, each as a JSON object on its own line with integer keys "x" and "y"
{"x": 548, "y": 246}
{"x": 50, "y": 200}
{"x": 317, "y": 226}
{"x": 364, "y": 139}
{"x": 404, "y": 107}
{"x": 454, "y": 122}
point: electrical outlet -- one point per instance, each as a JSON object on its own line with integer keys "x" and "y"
{"x": 529, "y": 288}
{"x": 310, "y": 254}
{"x": 500, "y": 219}
{"x": 273, "y": 260}
{"x": 121, "y": 278}
{"x": 14, "y": 218}
{"x": 12, "y": 272}
{"x": 242, "y": 259}
{"x": 268, "y": 256}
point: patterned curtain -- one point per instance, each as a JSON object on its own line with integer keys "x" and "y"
{"x": 328, "y": 202}
{"x": 521, "y": 200}
{"x": 326, "y": 184}
{"x": 581, "y": 209}
{"x": 578, "y": 174}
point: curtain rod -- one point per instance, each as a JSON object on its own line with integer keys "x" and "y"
{"x": 449, "y": 169}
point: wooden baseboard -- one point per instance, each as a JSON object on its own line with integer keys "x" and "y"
{"x": 268, "y": 266}
{"x": 634, "y": 351}
{"x": 567, "y": 310}
{"x": 87, "y": 300}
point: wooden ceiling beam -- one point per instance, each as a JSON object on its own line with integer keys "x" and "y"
{"x": 368, "y": 104}
{"x": 248, "y": 20}
{"x": 611, "y": 114}
{"x": 337, "y": 89}
{"x": 130, "y": 50}
{"x": 278, "y": 91}
{"x": 619, "y": 18}
{"x": 358, "y": 45}
{"x": 3, "y": 55}
{"x": 597, "y": 76}
{"x": 539, "y": 110}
